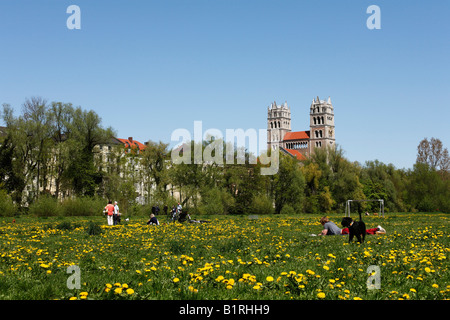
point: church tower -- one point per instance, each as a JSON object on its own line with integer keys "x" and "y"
{"x": 278, "y": 124}
{"x": 321, "y": 124}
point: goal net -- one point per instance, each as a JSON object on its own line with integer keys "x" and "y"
{"x": 348, "y": 205}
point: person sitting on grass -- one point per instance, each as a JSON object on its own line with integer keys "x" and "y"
{"x": 330, "y": 228}
{"x": 153, "y": 220}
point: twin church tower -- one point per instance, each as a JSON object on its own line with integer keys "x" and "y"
{"x": 300, "y": 144}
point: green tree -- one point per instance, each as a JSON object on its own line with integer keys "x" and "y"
{"x": 426, "y": 190}
{"x": 87, "y": 132}
{"x": 289, "y": 184}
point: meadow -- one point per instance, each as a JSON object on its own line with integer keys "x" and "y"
{"x": 232, "y": 257}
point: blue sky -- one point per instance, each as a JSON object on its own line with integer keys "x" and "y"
{"x": 150, "y": 67}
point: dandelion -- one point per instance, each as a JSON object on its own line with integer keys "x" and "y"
{"x": 191, "y": 288}
{"x": 326, "y": 268}
{"x": 118, "y": 290}
{"x": 427, "y": 270}
{"x": 357, "y": 298}
{"x": 269, "y": 279}
{"x": 413, "y": 290}
{"x": 219, "y": 278}
{"x": 175, "y": 280}
{"x": 435, "y": 285}
{"x": 73, "y": 298}
{"x": 130, "y": 291}
{"x": 321, "y": 295}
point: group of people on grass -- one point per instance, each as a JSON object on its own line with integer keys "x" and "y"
{"x": 112, "y": 213}
{"x": 330, "y": 229}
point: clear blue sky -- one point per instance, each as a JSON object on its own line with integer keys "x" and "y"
{"x": 150, "y": 67}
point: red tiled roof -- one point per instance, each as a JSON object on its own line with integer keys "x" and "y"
{"x": 297, "y": 135}
{"x": 296, "y": 154}
{"x": 132, "y": 143}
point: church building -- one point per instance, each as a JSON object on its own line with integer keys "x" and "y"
{"x": 300, "y": 144}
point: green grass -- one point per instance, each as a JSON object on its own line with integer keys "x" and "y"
{"x": 273, "y": 257}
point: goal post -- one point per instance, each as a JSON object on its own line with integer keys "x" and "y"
{"x": 349, "y": 203}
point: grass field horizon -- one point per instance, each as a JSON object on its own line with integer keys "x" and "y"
{"x": 232, "y": 257}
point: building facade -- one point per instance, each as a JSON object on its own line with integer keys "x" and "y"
{"x": 301, "y": 144}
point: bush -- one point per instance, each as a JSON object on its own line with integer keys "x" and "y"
{"x": 83, "y": 206}
{"x": 93, "y": 229}
{"x": 287, "y": 209}
{"x": 216, "y": 201}
{"x": 7, "y": 206}
{"x": 45, "y": 206}
{"x": 261, "y": 205}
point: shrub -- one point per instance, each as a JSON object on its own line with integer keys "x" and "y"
{"x": 93, "y": 229}
{"x": 216, "y": 201}
{"x": 7, "y": 206}
{"x": 45, "y": 206}
{"x": 83, "y": 206}
{"x": 288, "y": 210}
{"x": 261, "y": 205}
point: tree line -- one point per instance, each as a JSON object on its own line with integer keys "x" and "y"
{"x": 50, "y": 154}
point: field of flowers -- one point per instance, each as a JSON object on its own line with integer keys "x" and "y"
{"x": 270, "y": 257}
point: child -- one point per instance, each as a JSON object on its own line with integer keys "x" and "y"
{"x": 153, "y": 220}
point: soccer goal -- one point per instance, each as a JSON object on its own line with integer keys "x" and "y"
{"x": 348, "y": 205}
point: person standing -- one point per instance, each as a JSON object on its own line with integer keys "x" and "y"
{"x": 109, "y": 210}
{"x": 116, "y": 217}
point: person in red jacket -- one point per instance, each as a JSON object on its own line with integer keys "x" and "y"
{"x": 109, "y": 211}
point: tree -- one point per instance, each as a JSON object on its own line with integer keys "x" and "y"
{"x": 426, "y": 190}
{"x": 155, "y": 170}
{"x": 289, "y": 184}
{"x": 86, "y": 132}
{"x": 61, "y": 117}
{"x": 433, "y": 154}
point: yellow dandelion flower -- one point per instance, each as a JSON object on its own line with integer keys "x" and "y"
{"x": 321, "y": 295}
{"x": 175, "y": 280}
{"x": 269, "y": 279}
{"x": 130, "y": 291}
